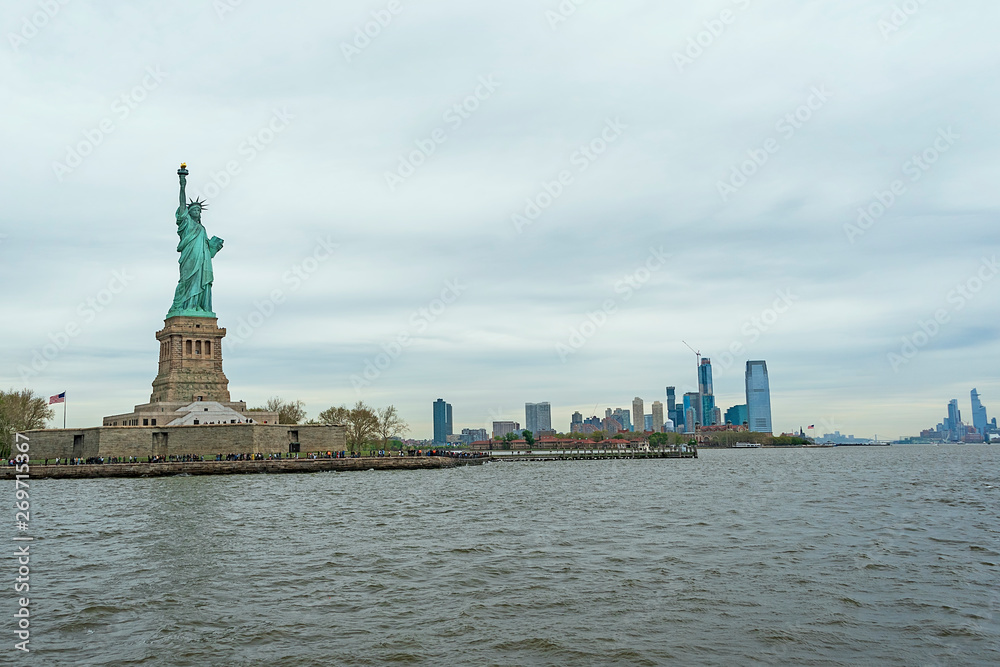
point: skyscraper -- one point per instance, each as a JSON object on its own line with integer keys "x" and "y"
{"x": 691, "y": 403}
{"x": 705, "y": 376}
{"x": 708, "y": 409}
{"x": 979, "y": 419}
{"x": 758, "y": 397}
{"x": 576, "y": 423}
{"x": 442, "y": 421}
{"x": 657, "y": 426}
{"x": 672, "y": 411}
{"x": 537, "y": 417}
{"x": 955, "y": 421}
{"x": 638, "y": 414}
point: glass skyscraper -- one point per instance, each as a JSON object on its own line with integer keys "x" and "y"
{"x": 979, "y": 419}
{"x": 442, "y": 421}
{"x": 758, "y": 397}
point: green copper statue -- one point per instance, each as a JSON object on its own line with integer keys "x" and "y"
{"x": 193, "y": 296}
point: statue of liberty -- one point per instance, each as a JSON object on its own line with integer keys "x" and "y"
{"x": 193, "y": 296}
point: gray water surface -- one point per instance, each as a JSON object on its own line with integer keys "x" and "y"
{"x": 846, "y": 556}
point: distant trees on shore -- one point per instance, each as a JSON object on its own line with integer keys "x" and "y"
{"x": 20, "y": 411}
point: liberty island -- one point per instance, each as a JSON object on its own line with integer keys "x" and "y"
{"x": 190, "y": 412}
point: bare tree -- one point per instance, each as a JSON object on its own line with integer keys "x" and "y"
{"x": 390, "y": 424}
{"x": 361, "y": 423}
{"x": 20, "y": 411}
{"x": 289, "y": 412}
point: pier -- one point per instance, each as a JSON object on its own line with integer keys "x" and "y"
{"x": 685, "y": 452}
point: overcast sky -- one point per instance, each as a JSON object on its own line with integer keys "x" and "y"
{"x": 301, "y": 131}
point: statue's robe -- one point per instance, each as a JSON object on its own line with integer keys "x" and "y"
{"x": 194, "y": 289}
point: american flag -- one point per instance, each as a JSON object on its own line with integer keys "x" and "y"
{"x": 58, "y": 398}
{"x": 813, "y": 426}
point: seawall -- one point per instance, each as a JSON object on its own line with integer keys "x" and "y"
{"x": 240, "y": 467}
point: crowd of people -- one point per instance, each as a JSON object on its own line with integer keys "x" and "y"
{"x": 192, "y": 458}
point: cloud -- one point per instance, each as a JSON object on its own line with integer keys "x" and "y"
{"x": 324, "y": 175}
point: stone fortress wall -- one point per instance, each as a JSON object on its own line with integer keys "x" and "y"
{"x": 202, "y": 440}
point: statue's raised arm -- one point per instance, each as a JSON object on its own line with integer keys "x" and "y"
{"x": 182, "y": 173}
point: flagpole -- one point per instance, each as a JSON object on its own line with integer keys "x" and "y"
{"x": 64, "y": 414}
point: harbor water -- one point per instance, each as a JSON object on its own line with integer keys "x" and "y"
{"x": 843, "y": 556}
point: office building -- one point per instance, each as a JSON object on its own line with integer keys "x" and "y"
{"x": 638, "y": 414}
{"x": 576, "y": 423}
{"x": 610, "y": 425}
{"x": 737, "y": 415}
{"x": 647, "y": 423}
{"x": 758, "y": 391}
{"x": 708, "y": 410}
{"x": 674, "y": 411}
{"x": 705, "y": 377}
{"x": 475, "y": 434}
{"x": 537, "y": 417}
{"x": 623, "y": 417}
{"x": 500, "y": 429}
{"x": 656, "y": 425}
{"x": 442, "y": 421}
{"x": 979, "y": 419}
{"x": 954, "y": 421}
{"x": 716, "y": 415}
{"x": 692, "y": 400}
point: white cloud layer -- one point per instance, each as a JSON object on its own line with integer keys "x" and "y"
{"x": 826, "y": 107}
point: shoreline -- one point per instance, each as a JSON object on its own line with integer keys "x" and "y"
{"x": 277, "y": 466}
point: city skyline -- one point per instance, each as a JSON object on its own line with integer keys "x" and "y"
{"x": 814, "y": 262}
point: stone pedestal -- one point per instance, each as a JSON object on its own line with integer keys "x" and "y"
{"x": 190, "y": 362}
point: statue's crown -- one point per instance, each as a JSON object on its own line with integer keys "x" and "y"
{"x": 199, "y": 203}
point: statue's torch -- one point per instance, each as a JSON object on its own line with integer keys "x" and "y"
{"x": 183, "y": 171}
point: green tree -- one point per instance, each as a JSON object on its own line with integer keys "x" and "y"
{"x": 659, "y": 439}
{"x": 597, "y": 436}
{"x": 510, "y": 437}
{"x": 20, "y": 411}
{"x": 289, "y": 412}
{"x": 529, "y": 437}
